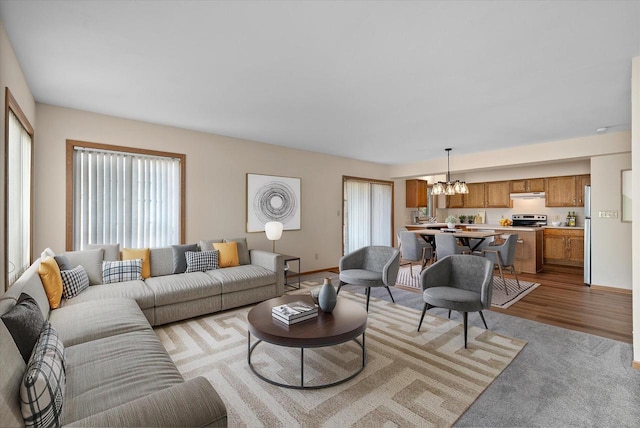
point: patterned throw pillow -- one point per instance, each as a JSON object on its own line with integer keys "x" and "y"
{"x": 43, "y": 384}
{"x": 125, "y": 270}
{"x": 74, "y": 281}
{"x": 200, "y": 261}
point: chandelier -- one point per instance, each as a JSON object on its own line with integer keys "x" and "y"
{"x": 449, "y": 188}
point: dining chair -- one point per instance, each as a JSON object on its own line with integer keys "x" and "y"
{"x": 414, "y": 249}
{"x": 372, "y": 266}
{"x": 462, "y": 283}
{"x": 504, "y": 256}
{"x": 447, "y": 244}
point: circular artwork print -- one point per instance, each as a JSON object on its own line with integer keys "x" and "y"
{"x": 275, "y": 201}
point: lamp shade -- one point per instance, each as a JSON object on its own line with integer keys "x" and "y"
{"x": 273, "y": 229}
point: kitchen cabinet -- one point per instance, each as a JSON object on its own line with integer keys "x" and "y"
{"x": 564, "y": 247}
{"x": 475, "y": 197}
{"x": 457, "y": 200}
{"x": 528, "y": 185}
{"x": 416, "y": 193}
{"x": 566, "y": 191}
{"x": 497, "y": 194}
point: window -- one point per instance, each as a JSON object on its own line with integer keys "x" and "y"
{"x": 367, "y": 213}
{"x": 121, "y": 195}
{"x": 18, "y": 190}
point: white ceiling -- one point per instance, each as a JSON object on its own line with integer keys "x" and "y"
{"x": 389, "y": 82}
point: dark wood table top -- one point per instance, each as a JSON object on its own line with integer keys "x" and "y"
{"x": 347, "y": 321}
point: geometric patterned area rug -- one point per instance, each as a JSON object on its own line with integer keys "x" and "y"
{"x": 500, "y": 299}
{"x": 411, "y": 378}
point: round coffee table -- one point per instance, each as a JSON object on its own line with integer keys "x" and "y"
{"x": 347, "y": 321}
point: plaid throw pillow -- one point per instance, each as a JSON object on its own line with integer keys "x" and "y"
{"x": 125, "y": 270}
{"x": 43, "y": 384}
{"x": 200, "y": 261}
{"x": 74, "y": 281}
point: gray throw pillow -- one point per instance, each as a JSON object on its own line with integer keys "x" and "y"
{"x": 111, "y": 251}
{"x": 243, "y": 250}
{"x": 24, "y": 321}
{"x": 63, "y": 262}
{"x": 207, "y": 244}
{"x": 179, "y": 259}
{"x": 90, "y": 260}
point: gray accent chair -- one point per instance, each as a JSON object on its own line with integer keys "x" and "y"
{"x": 461, "y": 283}
{"x": 373, "y": 266}
{"x": 447, "y": 245}
{"x": 414, "y": 248}
{"x": 504, "y": 256}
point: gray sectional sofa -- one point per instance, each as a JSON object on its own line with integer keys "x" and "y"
{"x": 117, "y": 371}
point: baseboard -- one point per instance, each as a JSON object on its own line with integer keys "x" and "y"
{"x": 320, "y": 270}
{"x": 635, "y": 365}
{"x": 611, "y": 289}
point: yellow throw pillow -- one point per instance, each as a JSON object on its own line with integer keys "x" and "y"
{"x": 227, "y": 254}
{"x": 51, "y": 280}
{"x": 139, "y": 253}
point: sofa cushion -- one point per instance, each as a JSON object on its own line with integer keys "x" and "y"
{"x": 115, "y": 370}
{"x": 201, "y": 261}
{"x": 51, "y": 280}
{"x": 111, "y": 251}
{"x": 63, "y": 262}
{"x": 24, "y": 321}
{"x": 161, "y": 261}
{"x": 179, "y": 260}
{"x": 228, "y": 254}
{"x": 183, "y": 287}
{"x": 136, "y": 290}
{"x": 43, "y": 386}
{"x": 91, "y": 260}
{"x": 243, "y": 277}
{"x": 74, "y": 281}
{"x": 31, "y": 284}
{"x": 94, "y": 320}
{"x": 139, "y": 253}
{"x": 243, "y": 250}
{"x": 122, "y": 270}
{"x": 207, "y": 244}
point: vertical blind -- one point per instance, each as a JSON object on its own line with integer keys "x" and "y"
{"x": 367, "y": 214}
{"x": 18, "y": 199}
{"x": 127, "y": 198}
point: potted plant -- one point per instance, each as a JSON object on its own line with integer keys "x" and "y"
{"x": 462, "y": 218}
{"x": 451, "y": 222}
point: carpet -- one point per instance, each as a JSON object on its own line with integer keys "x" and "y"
{"x": 411, "y": 279}
{"x": 411, "y": 378}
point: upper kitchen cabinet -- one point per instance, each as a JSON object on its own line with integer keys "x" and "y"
{"x": 457, "y": 200}
{"x": 416, "y": 193}
{"x": 526, "y": 186}
{"x": 566, "y": 191}
{"x": 497, "y": 194}
{"x": 475, "y": 197}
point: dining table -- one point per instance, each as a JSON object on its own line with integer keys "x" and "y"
{"x": 464, "y": 236}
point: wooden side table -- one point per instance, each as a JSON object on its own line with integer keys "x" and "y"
{"x": 290, "y": 273}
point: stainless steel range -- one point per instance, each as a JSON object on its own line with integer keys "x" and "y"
{"x": 529, "y": 220}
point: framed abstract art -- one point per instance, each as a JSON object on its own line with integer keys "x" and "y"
{"x": 272, "y": 198}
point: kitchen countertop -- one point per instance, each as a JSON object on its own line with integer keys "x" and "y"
{"x": 495, "y": 226}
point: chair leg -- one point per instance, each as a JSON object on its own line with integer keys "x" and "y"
{"x": 485, "y": 323}
{"x": 506, "y": 290}
{"x": 368, "y": 296}
{"x": 340, "y": 286}
{"x": 449, "y": 313}
{"x": 515, "y": 272}
{"x": 424, "y": 311}
{"x": 390, "y": 295}
{"x": 465, "y": 316}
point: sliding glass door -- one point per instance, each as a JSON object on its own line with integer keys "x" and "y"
{"x": 367, "y": 213}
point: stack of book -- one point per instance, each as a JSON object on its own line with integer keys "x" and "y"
{"x": 294, "y": 312}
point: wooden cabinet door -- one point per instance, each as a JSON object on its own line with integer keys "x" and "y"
{"x": 535, "y": 185}
{"x": 455, "y": 201}
{"x": 475, "y": 197}
{"x": 518, "y": 186}
{"x": 416, "y": 196}
{"x": 554, "y": 248}
{"x": 575, "y": 250}
{"x": 497, "y": 194}
{"x": 561, "y": 192}
{"x": 581, "y": 181}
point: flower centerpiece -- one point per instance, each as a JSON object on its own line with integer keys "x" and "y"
{"x": 451, "y": 222}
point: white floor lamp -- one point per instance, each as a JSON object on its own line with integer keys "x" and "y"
{"x": 273, "y": 229}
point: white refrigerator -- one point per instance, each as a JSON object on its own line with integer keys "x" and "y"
{"x": 587, "y": 235}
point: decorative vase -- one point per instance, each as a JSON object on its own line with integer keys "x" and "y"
{"x": 451, "y": 225}
{"x": 327, "y": 297}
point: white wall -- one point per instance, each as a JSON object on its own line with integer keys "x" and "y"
{"x": 11, "y": 76}
{"x": 635, "y": 238}
{"x": 215, "y": 182}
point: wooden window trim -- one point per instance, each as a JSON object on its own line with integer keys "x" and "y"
{"x": 71, "y": 144}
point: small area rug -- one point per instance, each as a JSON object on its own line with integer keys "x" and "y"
{"x": 411, "y": 378}
{"x": 500, "y": 299}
